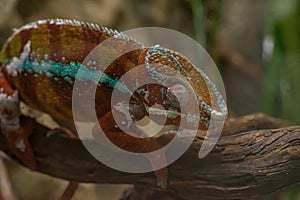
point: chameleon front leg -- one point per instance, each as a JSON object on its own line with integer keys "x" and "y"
{"x": 15, "y": 129}
{"x": 134, "y": 144}
{"x": 161, "y": 174}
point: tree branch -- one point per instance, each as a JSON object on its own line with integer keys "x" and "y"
{"x": 244, "y": 163}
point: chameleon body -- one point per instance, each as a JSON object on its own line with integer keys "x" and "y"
{"x": 41, "y": 60}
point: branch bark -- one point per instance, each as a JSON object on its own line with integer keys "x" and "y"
{"x": 248, "y": 161}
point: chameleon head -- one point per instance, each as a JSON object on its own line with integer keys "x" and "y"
{"x": 186, "y": 83}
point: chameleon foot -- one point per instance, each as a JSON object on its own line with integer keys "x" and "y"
{"x": 162, "y": 177}
{"x": 16, "y": 130}
{"x": 19, "y": 144}
{"x": 161, "y": 174}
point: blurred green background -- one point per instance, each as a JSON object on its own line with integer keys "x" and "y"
{"x": 255, "y": 43}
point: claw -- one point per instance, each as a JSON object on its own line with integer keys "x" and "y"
{"x": 162, "y": 177}
{"x": 161, "y": 174}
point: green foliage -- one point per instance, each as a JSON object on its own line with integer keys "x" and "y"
{"x": 199, "y": 21}
{"x": 206, "y": 15}
{"x": 282, "y": 84}
{"x": 282, "y": 77}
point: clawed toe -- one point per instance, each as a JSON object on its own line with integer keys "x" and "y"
{"x": 162, "y": 177}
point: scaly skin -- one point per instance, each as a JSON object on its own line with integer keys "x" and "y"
{"x": 40, "y": 61}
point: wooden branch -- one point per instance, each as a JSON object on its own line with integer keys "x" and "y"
{"x": 242, "y": 164}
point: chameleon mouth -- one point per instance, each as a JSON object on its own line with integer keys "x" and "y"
{"x": 156, "y": 128}
{"x": 151, "y": 129}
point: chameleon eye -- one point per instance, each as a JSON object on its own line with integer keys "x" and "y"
{"x": 180, "y": 92}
